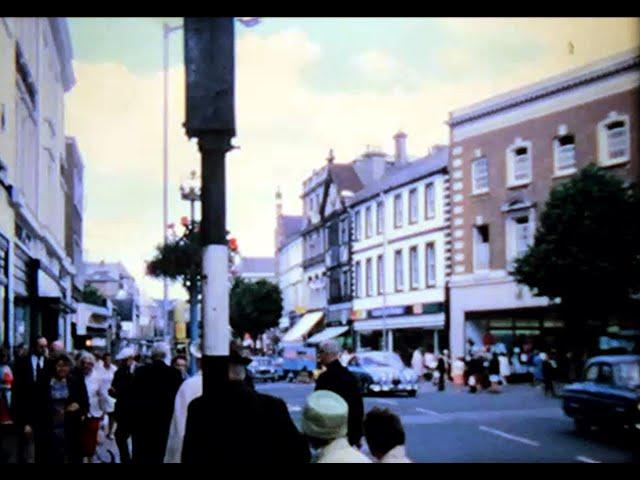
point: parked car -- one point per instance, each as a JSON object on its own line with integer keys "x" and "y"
{"x": 608, "y": 395}
{"x": 383, "y": 372}
{"x": 265, "y": 369}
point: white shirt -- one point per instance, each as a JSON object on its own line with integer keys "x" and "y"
{"x": 96, "y": 392}
{"x": 339, "y": 451}
{"x": 191, "y": 388}
{"x": 397, "y": 454}
{"x": 417, "y": 362}
{"x": 34, "y": 362}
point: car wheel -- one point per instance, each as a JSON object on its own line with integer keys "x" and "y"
{"x": 581, "y": 426}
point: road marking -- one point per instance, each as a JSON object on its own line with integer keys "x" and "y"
{"x": 510, "y": 437}
{"x": 430, "y": 412}
{"x": 386, "y": 402}
{"x": 294, "y": 408}
{"x": 587, "y": 459}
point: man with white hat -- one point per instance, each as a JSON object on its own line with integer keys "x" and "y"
{"x": 190, "y": 389}
{"x": 324, "y": 422}
{"x": 121, "y": 391}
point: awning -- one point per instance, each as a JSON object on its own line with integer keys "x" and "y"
{"x": 327, "y": 333}
{"x": 431, "y": 321}
{"x": 304, "y": 325}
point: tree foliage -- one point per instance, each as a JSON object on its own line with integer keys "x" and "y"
{"x": 586, "y": 253}
{"x": 255, "y": 307}
{"x": 92, "y": 295}
{"x": 180, "y": 259}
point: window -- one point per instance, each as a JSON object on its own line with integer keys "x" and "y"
{"x": 380, "y": 268}
{"x": 397, "y": 210}
{"x": 606, "y": 374}
{"x": 413, "y": 205}
{"x": 431, "y": 264}
{"x": 414, "y": 274}
{"x": 380, "y": 217}
{"x": 614, "y": 140}
{"x": 564, "y": 152}
{"x": 369, "y": 275}
{"x": 519, "y": 165}
{"x": 481, "y": 248}
{"x": 357, "y": 279}
{"x": 344, "y": 280}
{"x": 368, "y": 222}
{"x": 522, "y": 235}
{"x": 399, "y": 271}
{"x": 591, "y": 374}
{"x": 480, "y": 175}
{"x": 357, "y": 226}
{"x": 429, "y": 201}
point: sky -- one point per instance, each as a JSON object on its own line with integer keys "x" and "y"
{"x": 303, "y": 86}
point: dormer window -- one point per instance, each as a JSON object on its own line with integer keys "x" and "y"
{"x": 614, "y": 139}
{"x": 519, "y": 164}
{"x": 564, "y": 151}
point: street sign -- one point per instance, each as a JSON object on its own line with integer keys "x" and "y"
{"x": 209, "y": 65}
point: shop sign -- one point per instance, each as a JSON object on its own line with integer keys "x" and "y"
{"x": 387, "y": 312}
{"x": 358, "y": 314}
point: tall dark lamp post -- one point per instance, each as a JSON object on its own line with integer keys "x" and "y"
{"x": 210, "y": 117}
{"x": 190, "y": 190}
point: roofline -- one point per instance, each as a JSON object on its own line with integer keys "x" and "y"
{"x": 567, "y": 80}
{"x": 442, "y": 169}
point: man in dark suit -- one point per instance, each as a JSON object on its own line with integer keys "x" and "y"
{"x": 340, "y": 380}
{"x": 153, "y": 394}
{"x": 241, "y": 426}
{"x": 121, "y": 389}
{"x": 31, "y": 373}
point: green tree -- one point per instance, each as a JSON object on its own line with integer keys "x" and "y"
{"x": 179, "y": 259}
{"x": 254, "y": 307}
{"x": 92, "y": 295}
{"x": 586, "y": 254}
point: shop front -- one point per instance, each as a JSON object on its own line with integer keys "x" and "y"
{"x": 4, "y": 291}
{"x": 400, "y": 328}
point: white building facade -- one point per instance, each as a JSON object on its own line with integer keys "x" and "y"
{"x": 399, "y": 253}
{"x": 35, "y": 74}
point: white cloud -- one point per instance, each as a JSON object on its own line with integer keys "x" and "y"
{"x": 376, "y": 62}
{"x": 285, "y": 130}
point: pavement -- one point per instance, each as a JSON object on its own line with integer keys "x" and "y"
{"x": 518, "y": 425}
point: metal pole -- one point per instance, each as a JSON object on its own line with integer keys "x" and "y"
{"x": 215, "y": 263}
{"x": 165, "y": 165}
{"x": 193, "y": 302}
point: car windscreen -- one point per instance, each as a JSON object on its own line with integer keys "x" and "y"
{"x": 627, "y": 374}
{"x": 378, "y": 360}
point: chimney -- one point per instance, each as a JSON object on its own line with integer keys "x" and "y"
{"x": 330, "y": 158}
{"x": 401, "y": 148}
{"x": 278, "y": 202}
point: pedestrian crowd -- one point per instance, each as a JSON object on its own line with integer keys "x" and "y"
{"x": 59, "y": 405}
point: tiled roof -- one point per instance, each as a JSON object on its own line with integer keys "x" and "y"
{"x": 345, "y": 177}
{"x": 398, "y": 175}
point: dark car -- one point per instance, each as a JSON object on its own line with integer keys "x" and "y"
{"x": 608, "y": 395}
{"x": 383, "y": 372}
